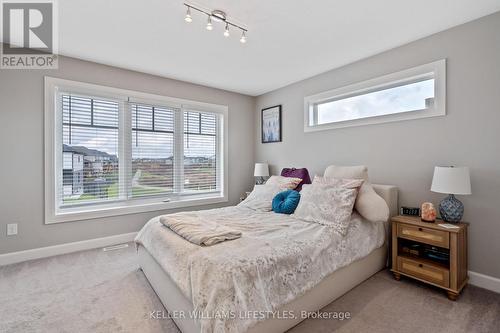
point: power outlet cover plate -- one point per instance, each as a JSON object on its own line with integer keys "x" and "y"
{"x": 11, "y": 229}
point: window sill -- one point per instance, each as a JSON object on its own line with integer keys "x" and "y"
{"x": 125, "y": 208}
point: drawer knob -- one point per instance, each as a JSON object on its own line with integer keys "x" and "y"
{"x": 420, "y": 265}
{"x": 420, "y": 229}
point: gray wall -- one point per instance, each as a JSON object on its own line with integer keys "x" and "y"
{"x": 21, "y": 149}
{"x": 405, "y": 153}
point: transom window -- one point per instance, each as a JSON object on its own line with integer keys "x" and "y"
{"x": 415, "y": 93}
{"x": 111, "y": 151}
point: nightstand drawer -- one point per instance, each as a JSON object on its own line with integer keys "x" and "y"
{"x": 424, "y": 235}
{"x": 425, "y": 271}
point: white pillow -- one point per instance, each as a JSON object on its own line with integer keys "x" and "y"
{"x": 261, "y": 198}
{"x": 285, "y": 183}
{"x": 369, "y": 204}
{"x": 327, "y": 205}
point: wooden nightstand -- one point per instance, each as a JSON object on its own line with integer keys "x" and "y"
{"x": 430, "y": 253}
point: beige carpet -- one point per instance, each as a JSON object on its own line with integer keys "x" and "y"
{"x": 96, "y": 291}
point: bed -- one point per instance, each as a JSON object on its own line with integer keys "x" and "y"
{"x": 246, "y": 285}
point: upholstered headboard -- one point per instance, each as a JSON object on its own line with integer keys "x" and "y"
{"x": 390, "y": 194}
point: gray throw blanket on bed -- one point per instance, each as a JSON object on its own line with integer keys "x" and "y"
{"x": 198, "y": 230}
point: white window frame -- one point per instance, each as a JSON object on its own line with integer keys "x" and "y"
{"x": 53, "y": 142}
{"x": 436, "y": 70}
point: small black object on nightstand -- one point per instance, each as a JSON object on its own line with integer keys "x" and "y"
{"x": 409, "y": 211}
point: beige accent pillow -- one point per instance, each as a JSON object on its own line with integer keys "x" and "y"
{"x": 326, "y": 205}
{"x": 369, "y": 204}
{"x": 338, "y": 182}
{"x": 261, "y": 198}
{"x": 285, "y": 183}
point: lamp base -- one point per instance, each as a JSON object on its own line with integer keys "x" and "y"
{"x": 451, "y": 209}
{"x": 260, "y": 180}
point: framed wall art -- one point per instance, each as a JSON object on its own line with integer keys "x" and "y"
{"x": 271, "y": 124}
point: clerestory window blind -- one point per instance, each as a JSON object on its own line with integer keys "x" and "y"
{"x": 118, "y": 151}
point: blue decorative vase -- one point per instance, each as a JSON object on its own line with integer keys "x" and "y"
{"x": 451, "y": 209}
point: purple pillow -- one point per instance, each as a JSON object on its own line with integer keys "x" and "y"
{"x": 301, "y": 173}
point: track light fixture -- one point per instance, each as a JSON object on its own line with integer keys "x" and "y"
{"x": 243, "y": 38}
{"x": 188, "y": 17}
{"x": 217, "y": 16}
{"x": 210, "y": 27}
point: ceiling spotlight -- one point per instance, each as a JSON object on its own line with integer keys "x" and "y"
{"x": 209, "y": 23}
{"x": 188, "y": 17}
{"x": 243, "y": 38}
{"x": 226, "y": 31}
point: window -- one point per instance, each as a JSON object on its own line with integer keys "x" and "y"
{"x": 152, "y": 150}
{"x": 415, "y": 93}
{"x": 112, "y": 151}
{"x": 89, "y": 148}
{"x": 200, "y": 151}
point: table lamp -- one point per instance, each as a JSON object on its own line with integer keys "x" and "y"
{"x": 451, "y": 180}
{"x": 261, "y": 170}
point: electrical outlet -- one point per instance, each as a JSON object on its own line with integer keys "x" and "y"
{"x": 11, "y": 229}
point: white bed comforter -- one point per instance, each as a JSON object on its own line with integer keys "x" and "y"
{"x": 277, "y": 259}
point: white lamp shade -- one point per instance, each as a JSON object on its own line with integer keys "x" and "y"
{"x": 261, "y": 170}
{"x": 451, "y": 180}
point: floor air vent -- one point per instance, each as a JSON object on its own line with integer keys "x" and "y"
{"x": 115, "y": 247}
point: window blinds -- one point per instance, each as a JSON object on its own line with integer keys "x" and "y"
{"x": 200, "y": 151}
{"x": 116, "y": 150}
{"x": 152, "y": 150}
{"x": 90, "y": 162}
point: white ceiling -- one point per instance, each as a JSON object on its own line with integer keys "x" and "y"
{"x": 287, "y": 41}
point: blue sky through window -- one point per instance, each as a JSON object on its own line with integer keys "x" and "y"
{"x": 409, "y": 97}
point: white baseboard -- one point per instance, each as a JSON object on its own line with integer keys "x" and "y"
{"x": 484, "y": 281}
{"x": 49, "y": 251}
